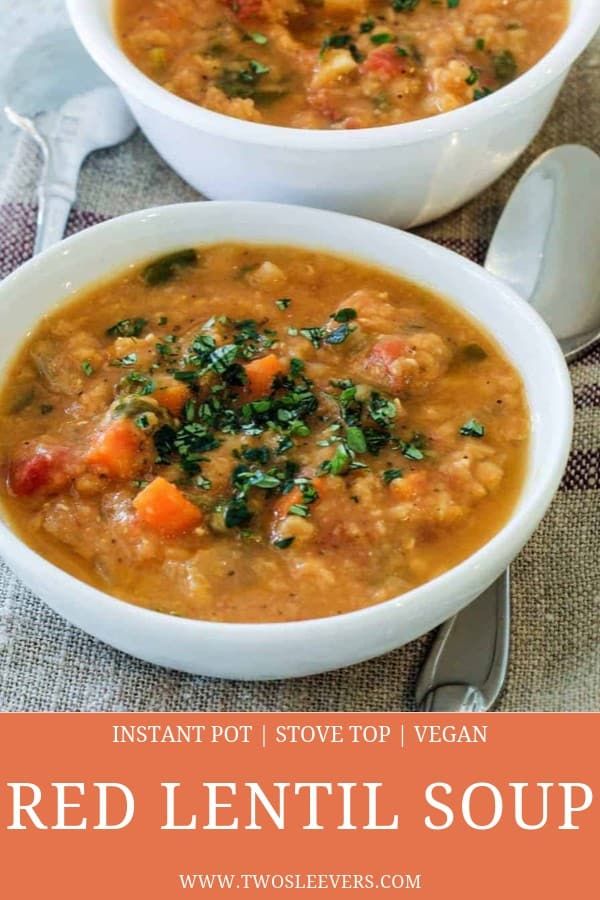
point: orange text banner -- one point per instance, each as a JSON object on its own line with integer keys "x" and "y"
{"x": 164, "y": 806}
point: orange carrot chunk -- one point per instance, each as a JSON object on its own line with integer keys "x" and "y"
{"x": 261, "y": 373}
{"x": 162, "y": 507}
{"x": 173, "y": 395}
{"x": 116, "y": 451}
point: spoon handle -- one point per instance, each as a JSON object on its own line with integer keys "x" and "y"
{"x": 56, "y": 192}
{"x": 466, "y": 666}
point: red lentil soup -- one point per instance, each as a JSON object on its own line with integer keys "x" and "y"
{"x": 336, "y": 63}
{"x": 257, "y": 434}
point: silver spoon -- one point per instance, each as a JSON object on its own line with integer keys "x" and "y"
{"x": 57, "y": 94}
{"x": 546, "y": 246}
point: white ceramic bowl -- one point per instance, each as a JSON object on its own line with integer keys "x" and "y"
{"x": 295, "y": 648}
{"x": 399, "y": 174}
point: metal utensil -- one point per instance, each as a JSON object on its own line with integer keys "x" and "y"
{"x": 546, "y": 246}
{"x": 57, "y": 94}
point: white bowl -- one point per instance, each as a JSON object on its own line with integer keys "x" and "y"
{"x": 400, "y": 174}
{"x": 295, "y": 648}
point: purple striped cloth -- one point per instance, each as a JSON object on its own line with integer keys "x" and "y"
{"x": 46, "y": 664}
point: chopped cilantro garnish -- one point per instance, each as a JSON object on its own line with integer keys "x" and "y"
{"x": 344, "y": 315}
{"x": 335, "y": 42}
{"x": 473, "y": 75}
{"x": 401, "y": 51}
{"x": 453, "y": 4}
{"x": 505, "y": 66}
{"x": 339, "y": 334}
{"x": 367, "y": 26}
{"x": 404, "y": 5}
{"x": 87, "y": 368}
{"x": 236, "y": 513}
{"x": 355, "y": 438}
{"x": 382, "y": 37}
{"x": 283, "y": 543}
{"x": 391, "y": 475}
{"x": 46, "y": 408}
{"x": 203, "y": 483}
{"x": 257, "y": 37}
{"x": 127, "y": 328}
{"x": 298, "y": 509}
{"x": 472, "y": 428}
{"x": 315, "y": 335}
{"x": 283, "y": 303}
{"x": 480, "y": 93}
{"x": 296, "y": 366}
{"x": 242, "y": 82}
{"x": 129, "y": 360}
{"x": 164, "y": 269}
{"x": 479, "y": 43}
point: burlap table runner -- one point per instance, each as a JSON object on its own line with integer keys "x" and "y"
{"x": 46, "y": 664}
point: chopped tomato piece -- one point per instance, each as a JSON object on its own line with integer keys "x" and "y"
{"x": 386, "y": 351}
{"x": 45, "y": 469}
{"x": 246, "y": 9}
{"x": 117, "y": 450}
{"x": 261, "y": 373}
{"x": 385, "y": 62}
{"x": 173, "y": 395}
{"x": 164, "y": 508}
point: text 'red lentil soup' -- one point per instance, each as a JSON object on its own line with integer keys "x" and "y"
{"x": 251, "y": 433}
{"x": 336, "y": 63}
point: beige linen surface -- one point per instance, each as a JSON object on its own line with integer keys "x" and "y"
{"x": 46, "y": 664}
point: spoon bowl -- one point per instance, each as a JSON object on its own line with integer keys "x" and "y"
{"x": 547, "y": 242}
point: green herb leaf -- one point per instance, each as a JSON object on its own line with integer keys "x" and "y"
{"x": 355, "y": 438}
{"x": 505, "y": 66}
{"x": 472, "y": 428}
{"x": 382, "y": 37}
{"x": 257, "y": 37}
{"x": 87, "y": 368}
{"x": 165, "y": 269}
{"x": 127, "y": 328}
{"x": 283, "y": 303}
{"x": 473, "y": 76}
{"x": 404, "y": 5}
{"x": 298, "y": 509}
{"x": 453, "y": 4}
{"x": 339, "y": 334}
{"x": 344, "y": 315}
{"x": 391, "y": 475}
{"x": 367, "y": 26}
{"x": 284, "y": 543}
{"x": 236, "y": 513}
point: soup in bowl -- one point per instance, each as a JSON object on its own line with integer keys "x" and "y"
{"x": 263, "y": 445}
{"x": 444, "y": 132}
{"x": 338, "y": 63}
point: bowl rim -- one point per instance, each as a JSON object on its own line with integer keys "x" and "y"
{"x": 101, "y": 43}
{"x": 507, "y": 542}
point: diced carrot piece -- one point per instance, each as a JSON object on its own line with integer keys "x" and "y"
{"x": 173, "y": 395}
{"x": 285, "y": 503}
{"x": 164, "y": 508}
{"x": 386, "y": 62}
{"x": 410, "y": 487}
{"x": 261, "y": 373}
{"x": 117, "y": 450}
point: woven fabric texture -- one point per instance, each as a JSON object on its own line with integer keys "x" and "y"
{"x": 45, "y": 664}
